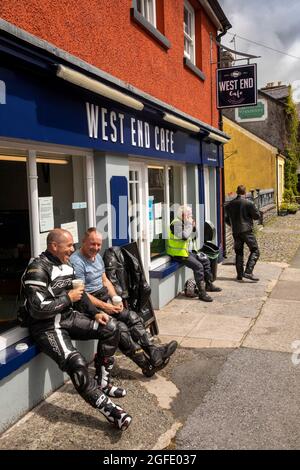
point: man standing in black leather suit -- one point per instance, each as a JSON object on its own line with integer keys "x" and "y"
{"x": 240, "y": 213}
{"x": 134, "y": 339}
{"x": 55, "y": 318}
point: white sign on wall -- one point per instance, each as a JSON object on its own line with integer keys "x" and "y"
{"x": 43, "y": 241}
{"x": 46, "y": 213}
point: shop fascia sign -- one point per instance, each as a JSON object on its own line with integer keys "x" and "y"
{"x": 109, "y": 126}
{"x": 236, "y": 86}
{"x": 2, "y": 92}
{"x": 252, "y": 113}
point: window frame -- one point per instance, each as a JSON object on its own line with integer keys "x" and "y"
{"x": 148, "y": 9}
{"x": 190, "y": 38}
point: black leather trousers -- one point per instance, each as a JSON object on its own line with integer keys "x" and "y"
{"x": 239, "y": 241}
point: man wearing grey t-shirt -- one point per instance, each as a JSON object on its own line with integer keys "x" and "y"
{"x": 134, "y": 339}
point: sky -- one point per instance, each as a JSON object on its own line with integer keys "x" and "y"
{"x": 274, "y": 23}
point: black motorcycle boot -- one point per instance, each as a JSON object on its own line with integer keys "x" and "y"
{"x": 250, "y": 276}
{"x": 209, "y": 287}
{"x": 239, "y": 266}
{"x": 103, "y": 366}
{"x": 141, "y": 360}
{"x": 113, "y": 413}
{"x": 158, "y": 356}
{"x": 202, "y": 292}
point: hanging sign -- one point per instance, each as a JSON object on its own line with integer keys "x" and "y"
{"x": 252, "y": 113}
{"x": 237, "y": 86}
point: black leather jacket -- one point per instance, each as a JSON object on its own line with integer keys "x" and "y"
{"x": 45, "y": 284}
{"x": 240, "y": 213}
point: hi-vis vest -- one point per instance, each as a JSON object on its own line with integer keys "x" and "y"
{"x": 176, "y": 246}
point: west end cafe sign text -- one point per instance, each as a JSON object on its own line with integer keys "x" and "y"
{"x": 109, "y": 126}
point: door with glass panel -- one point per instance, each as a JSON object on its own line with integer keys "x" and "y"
{"x": 137, "y": 222}
{"x": 210, "y": 192}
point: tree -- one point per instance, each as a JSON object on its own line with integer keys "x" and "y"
{"x": 292, "y": 152}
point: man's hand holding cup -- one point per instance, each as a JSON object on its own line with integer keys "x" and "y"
{"x": 117, "y": 303}
{"x": 77, "y": 290}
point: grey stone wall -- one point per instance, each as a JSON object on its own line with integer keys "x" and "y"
{"x": 273, "y": 130}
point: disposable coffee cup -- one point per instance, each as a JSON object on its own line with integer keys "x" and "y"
{"x": 21, "y": 347}
{"x": 77, "y": 283}
{"x": 116, "y": 300}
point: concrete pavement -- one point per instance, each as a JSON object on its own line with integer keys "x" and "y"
{"x": 209, "y": 334}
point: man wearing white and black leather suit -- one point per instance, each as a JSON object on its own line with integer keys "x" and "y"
{"x": 240, "y": 213}
{"x": 134, "y": 339}
{"x": 181, "y": 246}
{"x": 59, "y": 313}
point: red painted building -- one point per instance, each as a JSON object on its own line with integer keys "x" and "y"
{"x": 108, "y": 35}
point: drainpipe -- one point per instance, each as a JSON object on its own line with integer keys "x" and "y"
{"x": 219, "y": 36}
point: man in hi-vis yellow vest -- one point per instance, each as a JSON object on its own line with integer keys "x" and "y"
{"x": 182, "y": 247}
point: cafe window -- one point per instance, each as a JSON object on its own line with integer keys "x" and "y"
{"x": 14, "y": 234}
{"x": 61, "y": 192}
{"x": 165, "y": 185}
{"x": 62, "y": 203}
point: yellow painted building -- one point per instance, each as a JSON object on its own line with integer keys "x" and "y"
{"x": 251, "y": 161}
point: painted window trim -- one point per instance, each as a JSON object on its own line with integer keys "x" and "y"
{"x": 187, "y": 63}
{"x": 148, "y": 27}
{"x": 192, "y": 38}
{"x": 153, "y": 10}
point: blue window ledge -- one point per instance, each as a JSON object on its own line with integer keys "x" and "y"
{"x": 165, "y": 270}
{"x": 11, "y": 359}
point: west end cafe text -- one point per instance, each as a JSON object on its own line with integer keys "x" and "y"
{"x": 112, "y": 130}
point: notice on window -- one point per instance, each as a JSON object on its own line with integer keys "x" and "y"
{"x": 79, "y": 205}
{"x": 43, "y": 241}
{"x": 150, "y": 207}
{"x": 46, "y": 213}
{"x": 158, "y": 226}
{"x": 72, "y": 227}
{"x": 151, "y": 230}
{"x": 157, "y": 210}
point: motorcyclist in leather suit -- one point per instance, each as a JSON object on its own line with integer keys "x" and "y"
{"x": 54, "y": 310}
{"x": 240, "y": 213}
{"x": 134, "y": 339}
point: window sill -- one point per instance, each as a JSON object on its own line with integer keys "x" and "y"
{"x": 11, "y": 359}
{"x": 150, "y": 29}
{"x": 164, "y": 270}
{"x": 188, "y": 64}
{"x": 11, "y": 336}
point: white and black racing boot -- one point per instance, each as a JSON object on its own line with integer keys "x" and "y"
{"x": 103, "y": 366}
{"x": 113, "y": 413}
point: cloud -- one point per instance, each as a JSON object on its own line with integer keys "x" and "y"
{"x": 273, "y": 24}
